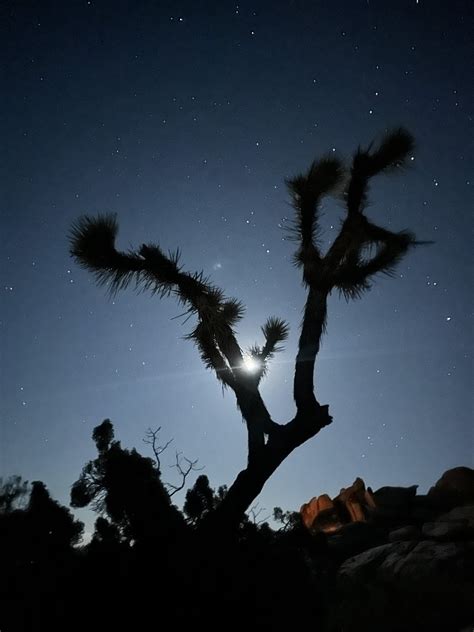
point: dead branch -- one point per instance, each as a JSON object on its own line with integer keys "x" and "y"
{"x": 151, "y": 438}
{"x": 191, "y": 466}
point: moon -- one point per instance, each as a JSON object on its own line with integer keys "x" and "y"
{"x": 251, "y": 365}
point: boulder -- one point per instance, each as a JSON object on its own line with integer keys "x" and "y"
{"x": 423, "y": 510}
{"x": 352, "y": 504}
{"x": 405, "y": 534}
{"x": 395, "y": 497}
{"x": 353, "y": 538}
{"x": 327, "y": 520}
{"x": 320, "y": 514}
{"x": 426, "y": 564}
{"x": 324, "y": 503}
{"x": 465, "y": 513}
{"x": 454, "y": 488}
{"x": 309, "y": 511}
{"x": 452, "y": 530}
{"x": 422, "y": 586}
{"x": 394, "y": 506}
{"x": 355, "y": 501}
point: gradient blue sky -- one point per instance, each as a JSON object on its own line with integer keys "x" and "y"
{"x": 185, "y": 118}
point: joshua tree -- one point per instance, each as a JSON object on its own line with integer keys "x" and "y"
{"x": 360, "y": 251}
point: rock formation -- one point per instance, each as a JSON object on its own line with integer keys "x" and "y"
{"x": 454, "y": 488}
{"x": 320, "y": 514}
{"x": 412, "y": 583}
{"x": 405, "y": 562}
{"x": 353, "y": 504}
{"x": 390, "y": 508}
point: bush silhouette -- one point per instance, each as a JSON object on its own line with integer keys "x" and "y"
{"x": 127, "y": 487}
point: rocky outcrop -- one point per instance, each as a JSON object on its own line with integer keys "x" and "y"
{"x": 423, "y": 579}
{"x": 353, "y": 504}
{"x": 452, "y": 531}
{"x": 353, "y": 538}
{"x": 320, "y": 514}
{"x": 395, "y": 497}
{"x": 405, "y": 534}
{"x": 422, "y": 586}
{"x": 356, "y": 500}
{"x": 412, "y": 563}
{"x": 465, "y": 513}
{"x": 389, "y": 508}
{"x": 405, "y": 561}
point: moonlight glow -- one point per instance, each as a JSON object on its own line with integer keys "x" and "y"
{"x": 251, "y": 365}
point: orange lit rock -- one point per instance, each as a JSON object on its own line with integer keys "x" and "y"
{"x": 355, "y": 510}
{"x": 309, "y": 511}
{"x": 324, "y": 503}
{"x": 357, "y": 501}
{"x": 353, "y": 504}
{"x": 369, "y": 498}
{"x": 320, "y": 514}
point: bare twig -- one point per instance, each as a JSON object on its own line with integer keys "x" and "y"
{"x": 151, "y": 438}
{"x": 184, "y": 471}
{"x": 184, "y": 465}
{"x": 254, "y": 513}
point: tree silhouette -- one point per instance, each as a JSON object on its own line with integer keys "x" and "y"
{"x": 52, "y": 525}
{"x": 13, "y": 493}
{"x": 360, "y": 251}
{"x": 200, "y": 500}
{"x": 128, "y": 488}
{"x": 107, "y": 537}
{"x": 35, "y": 526}
{"x": 288, "y": 519}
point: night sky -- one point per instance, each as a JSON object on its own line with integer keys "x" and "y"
{"x": 184, "y": 119}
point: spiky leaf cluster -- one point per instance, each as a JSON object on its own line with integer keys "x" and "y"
{"x": 149, "y": 268}
{"x": 275, "y": 330}
{"x": 391, "y": 154}
{"x": 92, "y": 242}
{"x": 345, "y": 266}
{"x": 204, "y": 336}
{"x": 307, "y": 190}
{"x": 353, "y": 275}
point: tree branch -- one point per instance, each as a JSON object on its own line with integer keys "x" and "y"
{"x": 191, "y": 466}
{"x": 313, "y": 327}
{"x": 151, "y": 438}
{"x": 307, "y": 191}
{"x": 93, "y": 246}
{"x": 255, "y": 512}
{"x": 250, "y": 481}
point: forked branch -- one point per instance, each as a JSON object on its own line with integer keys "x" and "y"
{"x": 184, "y": 471}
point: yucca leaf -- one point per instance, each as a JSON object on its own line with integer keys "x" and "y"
{"x": 275, "y": 331}
{"x": 392, "y": 152}
{"x": 92, "y": 240}
{"x": 92, "y": 244}
{"x": 352, "y": 277}
{"x": 232, "y": 311}
{"x": 307, "y": 190}
{"x": 210, "y": 354}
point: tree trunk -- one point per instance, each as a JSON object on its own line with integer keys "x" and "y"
{"x": 250, "y": 482}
